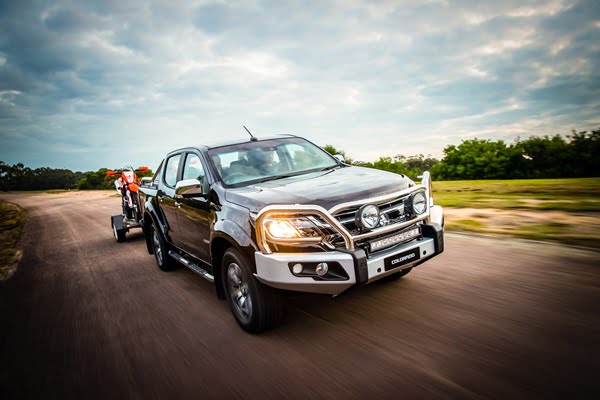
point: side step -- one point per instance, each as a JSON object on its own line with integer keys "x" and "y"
{"x": 194, "y": 267}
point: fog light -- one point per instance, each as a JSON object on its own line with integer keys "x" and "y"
{"x": 297, "y": 269}
{"x": 322, "y": 269}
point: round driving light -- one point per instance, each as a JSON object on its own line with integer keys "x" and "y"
{"x": 367, "y": 217}
{"x": 419, "y": 202}
{"x": 297, "y": 269}
{"x": 322, "y": 269}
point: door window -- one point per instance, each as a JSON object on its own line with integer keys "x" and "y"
{"x": 171, "y": 170}
{"x": 193, "y": 168}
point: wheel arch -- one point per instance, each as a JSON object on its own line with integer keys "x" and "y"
{"x": 219, "y": 244}
{"x": 152, "y": 215}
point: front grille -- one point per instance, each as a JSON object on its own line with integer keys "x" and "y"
{"x": 393, "y": 212}
{"x": 337, "y": 226}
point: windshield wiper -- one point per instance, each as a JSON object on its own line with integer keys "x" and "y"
{"x": 328, "y": 168}
{"x": 273, "y": 178}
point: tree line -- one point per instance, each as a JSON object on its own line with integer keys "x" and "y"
{"x": 574, "y": 156}
{"x": 99, "y": 180}
{"x": 20, "y": 177}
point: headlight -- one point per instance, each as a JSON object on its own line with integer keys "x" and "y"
{"x": 419, "y": 203}
{"x": 291, "y": 228}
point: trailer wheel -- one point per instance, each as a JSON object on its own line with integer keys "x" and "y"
{"x": 118, "y": 233}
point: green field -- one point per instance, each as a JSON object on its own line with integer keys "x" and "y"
{"x": 570, "y": 195}
{"x": 561, "y": 210}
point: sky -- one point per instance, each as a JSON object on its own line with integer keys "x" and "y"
{"x": 98, "y": 84}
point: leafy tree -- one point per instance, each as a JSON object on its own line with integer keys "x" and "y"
{"x": 97, "y": 180}
{"x": 545, "y": 157}
{"x": 333, "y": 151}
{"x": 585, "y": 153}
{"x": 413, "y": 166}
{"x": 536, "y": 157}
{"x": 4, "y": 173}
{"x": 20, "y": 177}
{"x": 475, "y": 159}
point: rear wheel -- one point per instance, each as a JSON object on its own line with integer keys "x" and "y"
{"x": 160, "y": 250}
{"x": 255, "y": 306}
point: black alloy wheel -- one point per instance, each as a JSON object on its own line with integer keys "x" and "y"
{"x": 161, "y": 250}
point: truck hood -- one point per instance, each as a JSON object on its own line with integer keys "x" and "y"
{"x": 325, "y": 188}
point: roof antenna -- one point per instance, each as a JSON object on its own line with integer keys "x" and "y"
{"x": 252, "y": 138}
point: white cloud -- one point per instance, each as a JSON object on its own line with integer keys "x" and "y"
{"x": 371, "y": 78}
{"x": 8, "y": 96}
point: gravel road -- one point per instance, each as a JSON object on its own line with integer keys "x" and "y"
{"x": 87, "y": 317}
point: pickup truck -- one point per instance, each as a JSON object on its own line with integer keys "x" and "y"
{"x": 259, "y": 217}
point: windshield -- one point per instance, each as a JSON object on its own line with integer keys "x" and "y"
{"x": 268, "y": 159}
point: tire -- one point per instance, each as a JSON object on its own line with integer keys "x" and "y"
{"x": 396, "y": 275}
{"x": 119, "y": 234}
{"x": 255, "y": 306}
{"x": 160, "y": 249}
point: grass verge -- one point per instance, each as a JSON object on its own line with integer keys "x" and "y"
{"x": 569, "y": 195}
{"x": 12, "y": 219}
{"x": 561, "y": 210}
{"x": 581, "y": 229}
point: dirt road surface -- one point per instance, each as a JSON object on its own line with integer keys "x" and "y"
{"x": 87, "y": 317}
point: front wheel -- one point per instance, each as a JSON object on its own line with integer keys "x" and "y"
{"x": 255, "y": 306}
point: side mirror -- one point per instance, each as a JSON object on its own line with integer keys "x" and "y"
{"x": 146, "y": 181}
{"x": 340, "y": 158}
{"x": 188, "y": 188}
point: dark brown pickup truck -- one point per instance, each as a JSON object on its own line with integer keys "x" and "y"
{"x": 261, "y": 217}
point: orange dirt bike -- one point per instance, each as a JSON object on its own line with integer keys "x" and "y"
{"x": 127, "y": 185}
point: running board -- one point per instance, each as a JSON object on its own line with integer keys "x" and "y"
{"x": 194, "y": 267}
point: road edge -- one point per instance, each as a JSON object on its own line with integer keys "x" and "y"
{"x": 10, "y": 254}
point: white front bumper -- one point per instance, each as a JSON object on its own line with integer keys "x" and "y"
{"x": 273, "y": 269}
